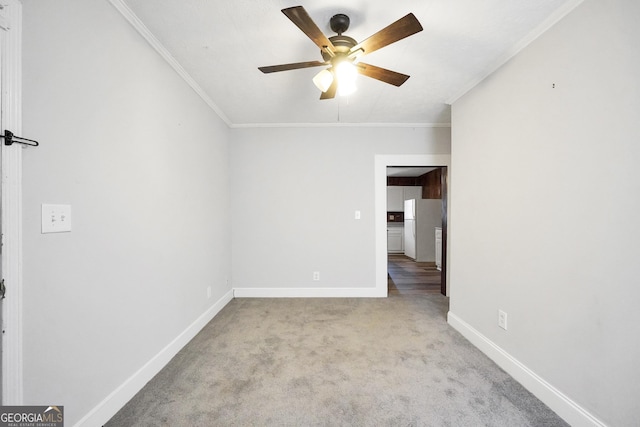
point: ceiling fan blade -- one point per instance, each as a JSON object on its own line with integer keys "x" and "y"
{"x": 293, "y": 66}
{"x": 403, "y": 27}
{"x": 301, "y": 18}
{"x": 331, "y": 92}
{"x": 382, "y": 74}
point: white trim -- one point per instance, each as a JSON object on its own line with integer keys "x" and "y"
{"x": 380, "y": 176}
{"x": 12, "y": 363}
{"x": 308, "y": 293}
{"x": 566, "y": 408}
{"x": 330, "y": 125}
{"x": 4, "y": 22}
{"x": 155, "y": 43}
{"x": 106, "y": 409}
{"x": 556, "y": 16}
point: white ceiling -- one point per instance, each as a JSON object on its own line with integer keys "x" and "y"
{"x": 220, "y": 45}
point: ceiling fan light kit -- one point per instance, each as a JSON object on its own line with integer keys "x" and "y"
{"x": 323, "y": 80}
{"x": 346, "y": 75}
{"x": 342, "y": 53}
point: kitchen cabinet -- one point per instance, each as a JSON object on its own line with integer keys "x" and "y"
{"x": 395, "y": 240}
{"x": 432, "y": 184}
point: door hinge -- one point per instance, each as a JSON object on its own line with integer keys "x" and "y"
{"x": 3, "y": 289}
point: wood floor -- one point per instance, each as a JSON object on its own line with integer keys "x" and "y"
{"x": 407, "y": 277}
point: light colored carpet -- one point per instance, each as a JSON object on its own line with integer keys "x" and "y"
{"x": 333, "y": 362}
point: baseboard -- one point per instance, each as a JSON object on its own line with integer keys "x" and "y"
{"x": 106, "y": 409}
{"x": 309, "y": 293}
{"x": 560, "y": 403}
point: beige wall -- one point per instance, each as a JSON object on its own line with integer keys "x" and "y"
{"x": 545, "y": 207}
{"x": 143, "y": 162}
{"x": 294, "y": 195}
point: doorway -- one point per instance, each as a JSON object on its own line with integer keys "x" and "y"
{"x": 381, "y": 164}
{"x": 416, "y": 212}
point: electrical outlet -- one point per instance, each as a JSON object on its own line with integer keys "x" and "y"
{"x": 316, "y": 276}
{"x": 502, "y": 319}
{"x": 357, "y": 215}
{"x": 208, "y": 292}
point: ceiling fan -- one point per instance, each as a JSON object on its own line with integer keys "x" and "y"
{"x": 342, "y": 53}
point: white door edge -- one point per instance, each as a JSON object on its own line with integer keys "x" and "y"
{"x": 11, "y": 181}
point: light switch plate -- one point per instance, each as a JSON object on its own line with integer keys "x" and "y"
{"x": 56, "y": 218}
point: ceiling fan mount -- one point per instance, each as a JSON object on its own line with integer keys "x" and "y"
{"x": 339, "y": 23}
{"x": 340, "y": 49}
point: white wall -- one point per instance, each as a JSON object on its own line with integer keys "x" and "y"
{"x": 294, "y": 195}
{"x": 143, "y": 162}
{"x": 545, "y": 204}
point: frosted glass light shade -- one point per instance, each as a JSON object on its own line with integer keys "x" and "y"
{"x": 346, "y": 74}
{"x": 323, "y": 80}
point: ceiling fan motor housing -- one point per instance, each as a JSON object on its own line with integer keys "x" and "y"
{"x": 339, "y": 23}
{"x": 343, "y": 45}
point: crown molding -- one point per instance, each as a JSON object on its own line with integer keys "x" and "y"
{"x": 518, "y": 47}
{"x": 142, "y": 29}
{"x": 128, "y": 14}
{"x": 332, "y": 125}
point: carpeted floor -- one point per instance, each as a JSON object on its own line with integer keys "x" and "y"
{"x": 333, "y": 362}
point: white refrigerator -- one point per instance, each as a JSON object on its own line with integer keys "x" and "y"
{"x": 421, "y": 217}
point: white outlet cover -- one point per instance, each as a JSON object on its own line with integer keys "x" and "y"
{"x": 502, "y": 319}
{"x": 56, "y": 218}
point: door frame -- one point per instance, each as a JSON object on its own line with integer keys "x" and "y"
{"x": 380, "y": 175}
{"x": 11, "y": 181}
